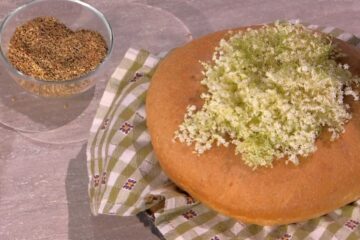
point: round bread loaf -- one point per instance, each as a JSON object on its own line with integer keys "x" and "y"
{"x": 285, "y": 193}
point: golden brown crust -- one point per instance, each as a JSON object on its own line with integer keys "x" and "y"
{"x": 328, "y": 179}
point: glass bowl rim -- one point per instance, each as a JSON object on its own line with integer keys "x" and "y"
{"x": 13, "y": 70}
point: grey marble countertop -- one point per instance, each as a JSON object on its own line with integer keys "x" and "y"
{"x": 43, "y": 186}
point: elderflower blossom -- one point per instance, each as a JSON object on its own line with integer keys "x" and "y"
{"x": 270, "y": 92}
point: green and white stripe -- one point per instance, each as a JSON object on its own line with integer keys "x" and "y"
{"x": 125, "y": 178}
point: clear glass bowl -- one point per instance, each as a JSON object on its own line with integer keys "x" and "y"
{"x": 74, "y": 14}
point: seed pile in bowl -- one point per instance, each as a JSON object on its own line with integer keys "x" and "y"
{"x": 270, "y": 92}
{"x": 47, "y": 49}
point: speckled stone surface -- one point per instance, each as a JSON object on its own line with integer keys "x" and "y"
{"x": 43, "y": 187}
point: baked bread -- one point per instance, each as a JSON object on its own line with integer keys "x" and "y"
{"x": 322, "y": 182}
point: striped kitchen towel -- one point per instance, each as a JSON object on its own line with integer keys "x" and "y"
{"x": 125, "y": 177}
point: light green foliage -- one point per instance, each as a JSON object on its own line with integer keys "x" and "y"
{"x": 271, "y": 91}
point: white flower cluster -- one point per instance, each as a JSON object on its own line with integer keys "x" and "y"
{"x": 271, "y": 92}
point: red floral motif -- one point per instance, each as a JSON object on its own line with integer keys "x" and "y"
{"x": 189, "y": 214}
{"x": 126, "y": 128}
{"x": 130, "y": 183}
{"x": 352, "y": 224}
{"x": 103, "y": 179}
{"x": 286, "y": 236}
{"x": 105, "y": 124}
{"x": 215, "y": 238}
{"x": 189, "y": 200}
{"x": 137, "y": 76}
{"x": 96, "y": 180}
